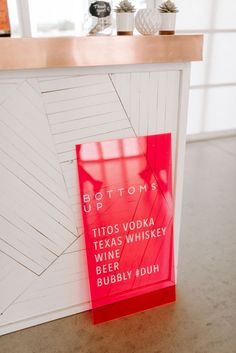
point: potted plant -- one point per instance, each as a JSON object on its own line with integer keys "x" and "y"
{"x": 168, "y": 12}
{"x": 125, "y": 17}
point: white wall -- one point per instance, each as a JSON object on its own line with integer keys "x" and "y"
{"x": 212, "y": 105}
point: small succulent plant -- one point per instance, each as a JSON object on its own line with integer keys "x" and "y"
{"x": 168, "y": 6}
{"x": 125, "y": 6}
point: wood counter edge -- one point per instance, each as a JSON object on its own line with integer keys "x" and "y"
{"x": 65, "y": 52}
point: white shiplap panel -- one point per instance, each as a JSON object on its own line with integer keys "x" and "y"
{"x": 33, "y": 168}
{"x": 37, "y": 223}
{"x": 144, "y": 96}
{"x": 82, "y": 109}
{"x": 20, "y": 235}
{"x": 18, "y": 190}
{"x": 33, "y": 155}
{"x": 22, "y": 180}
{"x": 33, "y": 182}
{"x": 95, "y": 111}
{"x": 18, "y": 256}
{"x": 24, "y": 134}
{"x": 44, "y": 238}
{"x": 76, "y": 113}
{"x": 14, "y": 279}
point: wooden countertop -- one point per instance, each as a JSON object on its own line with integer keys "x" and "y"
{"x": 35, "y": 53}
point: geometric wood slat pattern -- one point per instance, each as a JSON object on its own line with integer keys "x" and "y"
{"x": 42, "y": 255}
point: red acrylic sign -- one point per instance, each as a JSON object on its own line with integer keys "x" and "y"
{"x": 126, "y": 202}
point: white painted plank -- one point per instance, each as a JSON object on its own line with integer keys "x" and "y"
{"x": 7, "y": 148}
{"x": 58, "y": 76}
{"x": 21, "y": 258}
{"x": 162, "y": 101}
{"x": 172, "y": 100}
{"x": 36, "y": 182}
{"x": 28, "y": 115}
{"x": 32, "y": 233}
{"x": 23, "y": 238}
{"x": 144, "y": 103}
{"x": 83, "y": 113}
{"x": 134, "y": 102}
{"x": 30, "y": 90}
{"x": 172, "y": 110}
{"x": 72, "y": 93}
{"x": 34, "y": 185}
{"x": 19, "y": 252}
{"x": 63, "y": 285}
{"x": 17, "y": 190}
{"x": 72, "y": 82}
{"x": 33, "y": 155}
{"x": 72, "y": 104}
{"x": 34, "y": 83}
{"x": 153, "y": 103}
{"x": 122, "y": 84}
{"x": 6, "y": 90}
{"x": 14, "y": 279}
{"x": 53, "y": 235}
{"x": 68, "y": 126}
{"x": 21, "y": 131}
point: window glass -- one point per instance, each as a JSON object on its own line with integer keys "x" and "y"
{"x": 14, "y": 20}
{"x": 57, "y": 18}
{"x": 63, "y": 18}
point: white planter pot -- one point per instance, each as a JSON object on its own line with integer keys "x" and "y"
{"x": 125, "y": 23}
{"x": 167, "y": 23}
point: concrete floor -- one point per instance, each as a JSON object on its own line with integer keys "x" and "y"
{"x": 204, "y": 316}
